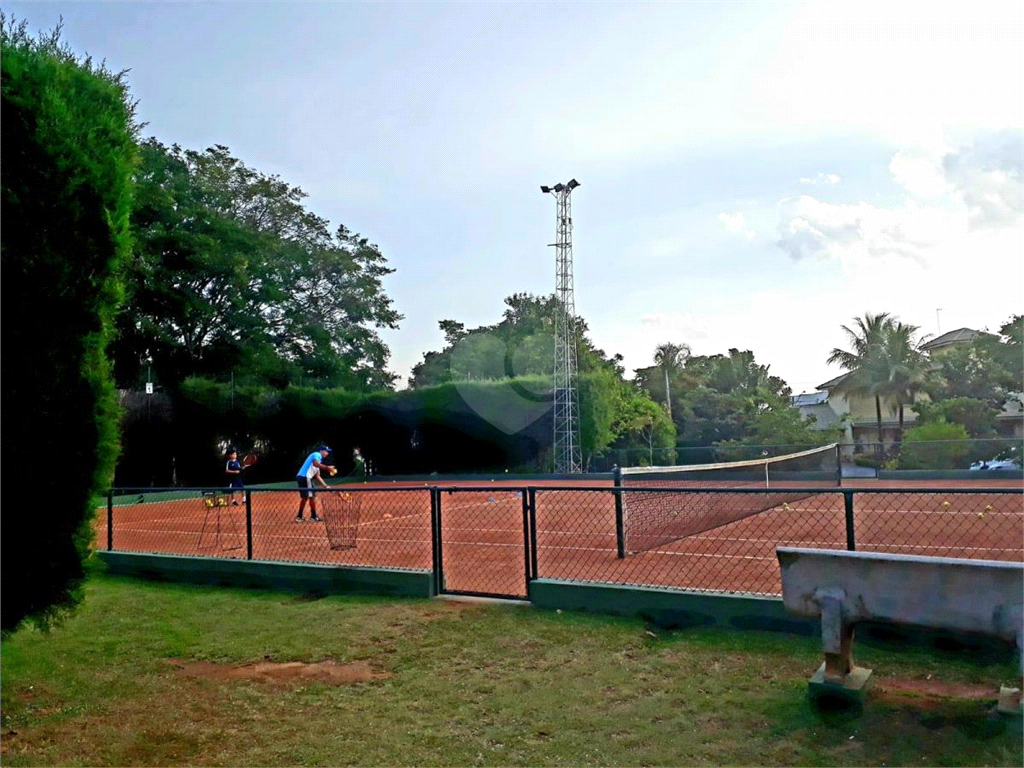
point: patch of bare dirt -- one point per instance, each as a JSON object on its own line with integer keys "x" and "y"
{"x": 328, "y": 671}
{"x": 937, "y": 688}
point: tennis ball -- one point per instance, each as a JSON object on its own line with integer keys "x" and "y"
{"x": 988, "y": 507}
{"x": 387, "y": 516}
{"x": 945, "y": 503}
{"x": 981, "y": 514}
{"x": 785, "y": 507}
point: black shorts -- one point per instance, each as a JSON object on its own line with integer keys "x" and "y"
{"x": 305, "y": 487}
{"x": 236, "y": 482}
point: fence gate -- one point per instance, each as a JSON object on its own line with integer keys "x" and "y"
{"x": 482, "y": 541}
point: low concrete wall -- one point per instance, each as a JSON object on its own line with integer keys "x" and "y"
{"x": 301, "y": 577}
{"x": 669, "y": 607}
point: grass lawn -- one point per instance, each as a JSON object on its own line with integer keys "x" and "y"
{"x": 163, "y": 674}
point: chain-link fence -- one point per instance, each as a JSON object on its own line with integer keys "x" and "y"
{"x": 392, "y": 528}
{"x": 492, "y": 540}
{"x": 1004, "y": 454}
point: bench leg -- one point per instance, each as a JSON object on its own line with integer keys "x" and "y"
{"x": 838, "y": 675}
{"x": 1010, "y": 704}
{"x": 837, "y": 641}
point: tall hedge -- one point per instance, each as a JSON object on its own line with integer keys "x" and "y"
{"x": 463, "y": 427}
{"x": 68, "y": 148}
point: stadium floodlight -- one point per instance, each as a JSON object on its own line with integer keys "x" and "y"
{"x": 567, "y": 452}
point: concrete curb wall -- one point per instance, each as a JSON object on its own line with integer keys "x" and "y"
{"x": 671, "y": 608}
{"x": 301, "y": 577}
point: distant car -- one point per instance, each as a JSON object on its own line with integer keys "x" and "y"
{"x": 997, "y": 464}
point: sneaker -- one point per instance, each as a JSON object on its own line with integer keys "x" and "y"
{"x": 234, "y": 503}
{"x": 314, "y": 519}
{"x": 299, "y": 518}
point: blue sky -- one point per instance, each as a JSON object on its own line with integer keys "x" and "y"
{"x": 754, "y": 175}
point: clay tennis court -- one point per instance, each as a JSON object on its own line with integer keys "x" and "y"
{"x": 488, "y": 546}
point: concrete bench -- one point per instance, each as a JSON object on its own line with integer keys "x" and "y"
{"x": 983, "y": 597}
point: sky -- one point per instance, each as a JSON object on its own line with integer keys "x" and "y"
{"x": 753, "y": 175}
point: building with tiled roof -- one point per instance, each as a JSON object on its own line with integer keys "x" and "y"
{"x": 857, "y": 415}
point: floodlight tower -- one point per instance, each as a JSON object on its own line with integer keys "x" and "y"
{"x": 568, "y": 452}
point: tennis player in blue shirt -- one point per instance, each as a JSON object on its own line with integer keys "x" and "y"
{"x": 309, "y": 473}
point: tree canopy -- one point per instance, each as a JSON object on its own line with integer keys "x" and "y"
{"x": 522, "y": 343}
{"x": 725, "y": 398}
{"x": 233, "y": 276}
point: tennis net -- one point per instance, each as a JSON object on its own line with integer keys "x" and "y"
{"x": 657, "y": 517}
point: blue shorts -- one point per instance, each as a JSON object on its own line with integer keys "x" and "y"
{"x": 236, "y": 482}
{"x": 305, "y": 487}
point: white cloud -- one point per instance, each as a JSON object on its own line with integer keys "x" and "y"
{"x": 668, "y": 326}
{"x": 648, "y": 86}
{"x": 734, "y": 222}
{"x": 979, "y": 185}
{"x": 821, "y": 178}
{"x": 989, "y": 176}
{"x": 810, "y": 228}
{"x": 907, "y": 72}
{"x": 920, "y": 173}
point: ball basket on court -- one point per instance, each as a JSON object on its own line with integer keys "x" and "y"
{"x": 340, "y": 512}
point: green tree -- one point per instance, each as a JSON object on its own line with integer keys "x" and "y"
{"x": 718, "y": 398}
{"x": 642, "y": 423}
{"x": 525, "y": 333}
{"x": 233, "y": 274}
{"x": 935, "y": 445}
{"x": 989, "y": 368}
{"x": 670, "y": 358}
{"x": 976, "y": 416}
{"x": 68, "y": 151}
{"x": 865, "y": 361}
{"x": 907, "y": 366}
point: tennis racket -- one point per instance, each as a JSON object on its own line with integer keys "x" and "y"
{"x": 249, "y": 459}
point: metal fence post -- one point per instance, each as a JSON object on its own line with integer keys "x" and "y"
{"x": 851, "y": 543}
{"x": 524, "y": 495}
{"x": 533, "y": 532}
{"x": 438, "y": 555}
{"x": 248, "y": 524}
{"x": 620, "y": 528}
{"x": 110, "y": 519}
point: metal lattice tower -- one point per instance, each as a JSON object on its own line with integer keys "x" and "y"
{"x": 567, "y": 449}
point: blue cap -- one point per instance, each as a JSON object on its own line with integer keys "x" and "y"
{"x": 324, "y": 449}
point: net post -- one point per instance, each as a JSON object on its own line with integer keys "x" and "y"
{"x": 620, "y": 528}
{"x": 248, "y": 524}
{"x": 851, "y": 544}
{"x": 839, "y": 466}
{"x": 110, "y": 520}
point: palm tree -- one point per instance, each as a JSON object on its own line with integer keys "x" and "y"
{"x": 670, "y": 358}
{"x": 866, "y": 361}
{"x": 908, "y": 366}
